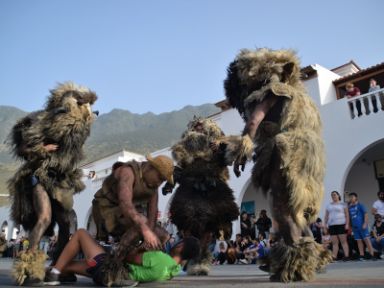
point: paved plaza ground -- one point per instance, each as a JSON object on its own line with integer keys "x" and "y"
{"x": 340, "y": 274}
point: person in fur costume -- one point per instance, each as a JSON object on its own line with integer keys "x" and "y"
{"x": 204, "y": 204}
{"x": 265, "y": 87}
{"x": 50, "y": 144}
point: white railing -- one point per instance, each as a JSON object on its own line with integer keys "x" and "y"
{"x": 367, "y": 104}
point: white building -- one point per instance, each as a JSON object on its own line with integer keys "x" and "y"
{"x": 354, "y": 146}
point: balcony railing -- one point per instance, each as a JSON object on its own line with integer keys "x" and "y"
{"x": 366, "y": 104}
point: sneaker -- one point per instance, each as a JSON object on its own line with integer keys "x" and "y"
{"x": 345, "y": 259}
{"x": 243, "y": 261}
{"x": 51, "y": 279}
{"x": 264, "y": 268}
{"x": 33, "y": 282}
{"x": 361, "y": 258}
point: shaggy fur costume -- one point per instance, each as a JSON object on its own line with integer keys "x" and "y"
{"x": 29, "y": 264}
{"x": 203, "y": 203}
{"x": 66, "y": 122}
{"x": 289, "y": 152}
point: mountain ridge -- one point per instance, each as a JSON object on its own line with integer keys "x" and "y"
{"x": 111, "y": 132}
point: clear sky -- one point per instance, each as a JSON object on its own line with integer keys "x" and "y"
{"x": 159, "y": 56}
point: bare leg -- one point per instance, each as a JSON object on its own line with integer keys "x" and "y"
{"x": 80, "y": 241}
{"x": 344, "y": 244}
{"x": 361, "y": 247}
{"x": 43, "y": 210}
{"x": 62, "y": 218}
{"x": 335, "y": 246}
{"x": 369, "y": 246}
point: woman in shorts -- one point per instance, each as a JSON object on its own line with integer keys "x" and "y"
{"x": 337, "y": 219}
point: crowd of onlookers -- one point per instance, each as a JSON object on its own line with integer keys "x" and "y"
{"x": 250, "y": 246}
{"x": 346, "y": 230}
{"x": 13, "y": 247}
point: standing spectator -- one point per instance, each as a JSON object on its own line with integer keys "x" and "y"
{"x": 353, "y": 91}
{"x": 337, "y": 220}
{"x": 359, "y": 220}
{"x": 378, "y": 235}
{"x": 16, "y": 247}
{"x": 378, "y": 205}
{"x": 3, "y": 244}
{"x": 374, "y": 87}
{"x": 44, "y": 244}
{"x": 246, "y": 225}
{"x": 264, "y": 223}
{"x": 171, "y": 228}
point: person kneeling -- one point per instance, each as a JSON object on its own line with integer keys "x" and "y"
{"x": 142, "y": 266}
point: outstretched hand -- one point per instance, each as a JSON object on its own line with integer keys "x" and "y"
{"x": 239, "y": 165}
{"x": 150, "y": 240}
{"x": 214, "y": 145}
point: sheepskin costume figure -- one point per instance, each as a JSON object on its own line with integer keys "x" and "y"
{"x": 265, "y": 87}
{"x": 203, "y": 204}
{"x": 50, "y": 144}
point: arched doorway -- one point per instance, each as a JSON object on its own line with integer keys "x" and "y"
{"x": 72, "y": 221}
{"x": 4, "y": 229}
{"x": 364, "y": 176}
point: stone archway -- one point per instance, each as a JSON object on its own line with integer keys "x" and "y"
{"x": 360, "y": 177}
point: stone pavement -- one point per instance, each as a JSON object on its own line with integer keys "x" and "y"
{"x": 340, "y": 274}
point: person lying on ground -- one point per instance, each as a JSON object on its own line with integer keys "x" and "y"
{"x": 141, "y": 266}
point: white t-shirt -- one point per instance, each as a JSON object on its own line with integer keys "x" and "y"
{"x": 336, "y": 213}
{"x": 379, "y": 206}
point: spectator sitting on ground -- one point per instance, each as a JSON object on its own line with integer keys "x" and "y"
{"x": 378, "y": 205}
{"x": 317, "y": 229}
{"x": 359, "y": 221}
{"x": 377, "y": 239}
{"x": 326, "y": 239}
{"x": 221, "y": 253}
{"x": 231, "y": 253}
{"x": 262, "y": 247}
{"x": 141, "y": 266}
{"x": 250, "y": 253}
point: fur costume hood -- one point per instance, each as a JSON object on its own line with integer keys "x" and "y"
{"x": 254, "y": 74}
{"x": 65, "y": 122}
{"x": 194, "y": 144}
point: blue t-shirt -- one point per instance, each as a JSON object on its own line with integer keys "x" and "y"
{"x": 356, "y": 215}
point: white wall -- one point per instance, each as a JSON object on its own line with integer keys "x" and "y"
{"x": 325, "y": 88}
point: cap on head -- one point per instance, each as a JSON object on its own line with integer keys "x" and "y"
{"x": 163, "y": 164}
